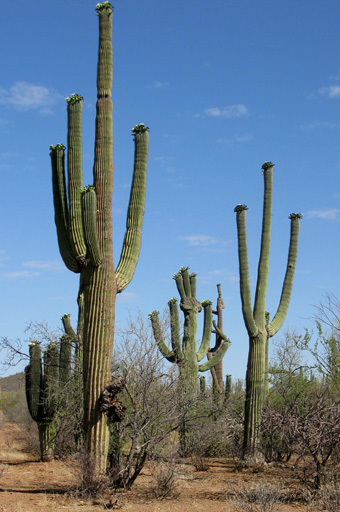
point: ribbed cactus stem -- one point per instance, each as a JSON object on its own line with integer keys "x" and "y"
{"x": 65, "y": 356}
{"x": 75, "y": 176}
{"x": 47, "y": 435}
{"x": 256, "y": 319}
{"x": 134, "y": 221}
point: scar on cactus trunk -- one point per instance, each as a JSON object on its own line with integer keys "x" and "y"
{"x": 256, "y": 320}
{"x": 83, "y": 218}
{"x": 185, "y": 354}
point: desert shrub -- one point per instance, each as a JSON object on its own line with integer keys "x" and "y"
{"x": 164, "y": 479}
{"x": 149, "y": 399}
{"x": 259, "y": 497}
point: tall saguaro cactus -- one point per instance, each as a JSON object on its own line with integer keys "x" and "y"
{"x": 185, "y": 354}
{"x": 84, "y": 229}
{"x": 42, "y": 381}
{"x": 256, "y": 320}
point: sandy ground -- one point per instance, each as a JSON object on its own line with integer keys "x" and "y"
{"x": 27, "y": 485}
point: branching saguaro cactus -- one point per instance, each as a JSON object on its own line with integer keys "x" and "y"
{"x": 84, "y": 230}
{"x": 185, "y": 354}
{"x": 42, "y": 381}
{"x": 256, "y": 320}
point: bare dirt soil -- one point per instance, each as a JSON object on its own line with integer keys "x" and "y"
{"x": 27, "y": 485}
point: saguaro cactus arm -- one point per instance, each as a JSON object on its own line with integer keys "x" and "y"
{"x": 134, "y": 220}
{"x": 263, "y": 267}
{"x": 216, "y": 358}
{"x": 75, "y": 176}
{"x": 57, "y": 154}
{"x": 174, "y": 328}
{"x": 249, "y": 321}
{"x": 89, "y": 216}
{"x": 204, "y": 347}
{"x": 34, "y": 380}
{"x": 276, "y": 323}
{"x": 158, "y": 335}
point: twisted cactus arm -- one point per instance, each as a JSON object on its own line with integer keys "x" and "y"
{"x": 244, "y": 270}
{"x": 263, "y": 267}
{"x": 69, "y": 331}
{"x": 134, "y": 221}
{"x": 89, "y": 216}
{"x": 57, "y": 154}
{"x": 75, "y": 176}
{"x": 218, "y": 356}
{"x": 280, "y": 315}
{"x": 204, "y": 347}
{"x": 158, "y": 335}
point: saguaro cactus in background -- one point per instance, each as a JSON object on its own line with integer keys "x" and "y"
{"x": 256, "y": 320}
{"x": 84, "y": 229}
{"x": 41, "y": 393}
{"x": 186, "y": 355}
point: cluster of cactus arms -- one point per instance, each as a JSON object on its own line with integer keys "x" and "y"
{"x": 83, "y": 218}
{"x": 217, "y": 370}
{"x": 256, "y": 319}
{"x": 42, "y": 382}
{"x": 185, "y": 354}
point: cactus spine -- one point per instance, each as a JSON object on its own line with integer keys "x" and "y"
{"x": 256, "y": 320}
{"x": 84, "y": 230}
{"x": 41, "y": 393}
{"x": 185, "y": 354}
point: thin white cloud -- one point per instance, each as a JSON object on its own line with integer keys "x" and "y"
{"x": 24, "y": 96}
{"x": 20, "y": 274}
{"x": 127, "y": 297}
{"x": 236, "y": 138}
{"x": 229, "y": 112}
{"x": 202, "y": 241}
{"x": 322, "y": 213}
{"x": 44, "y": 265}
{"x": 333, "y": 91}
{"x": 158, "y": 85}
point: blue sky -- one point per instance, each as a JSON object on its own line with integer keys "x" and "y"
{"x": 223, "y": 86}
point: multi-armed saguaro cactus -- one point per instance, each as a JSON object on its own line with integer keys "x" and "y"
{"x": 256, "y": 320}
{"x": 84, "y": 229}
{"x": 42, "y": 383}
{"x": 186, "y": 355}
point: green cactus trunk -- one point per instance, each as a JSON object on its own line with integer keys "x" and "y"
{"x": 256, "y": 320}
{"x": 84, "y": 230}
{"x": 47, "y": 435}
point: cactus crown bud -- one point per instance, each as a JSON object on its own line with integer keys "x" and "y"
{"x": 104, "y": 5}
{"x": 172, "y": 301}
{"x": 240, "y": 208}
{"x": 74, "y": 98}
{"x": 295, "y": 216}
{"x": 57, "y": 147}
{"x": 266, "y": 166}
{"x": 153, "y": 314}
{"x": 206, "y": 303}
{"x": 139, "y": 128}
